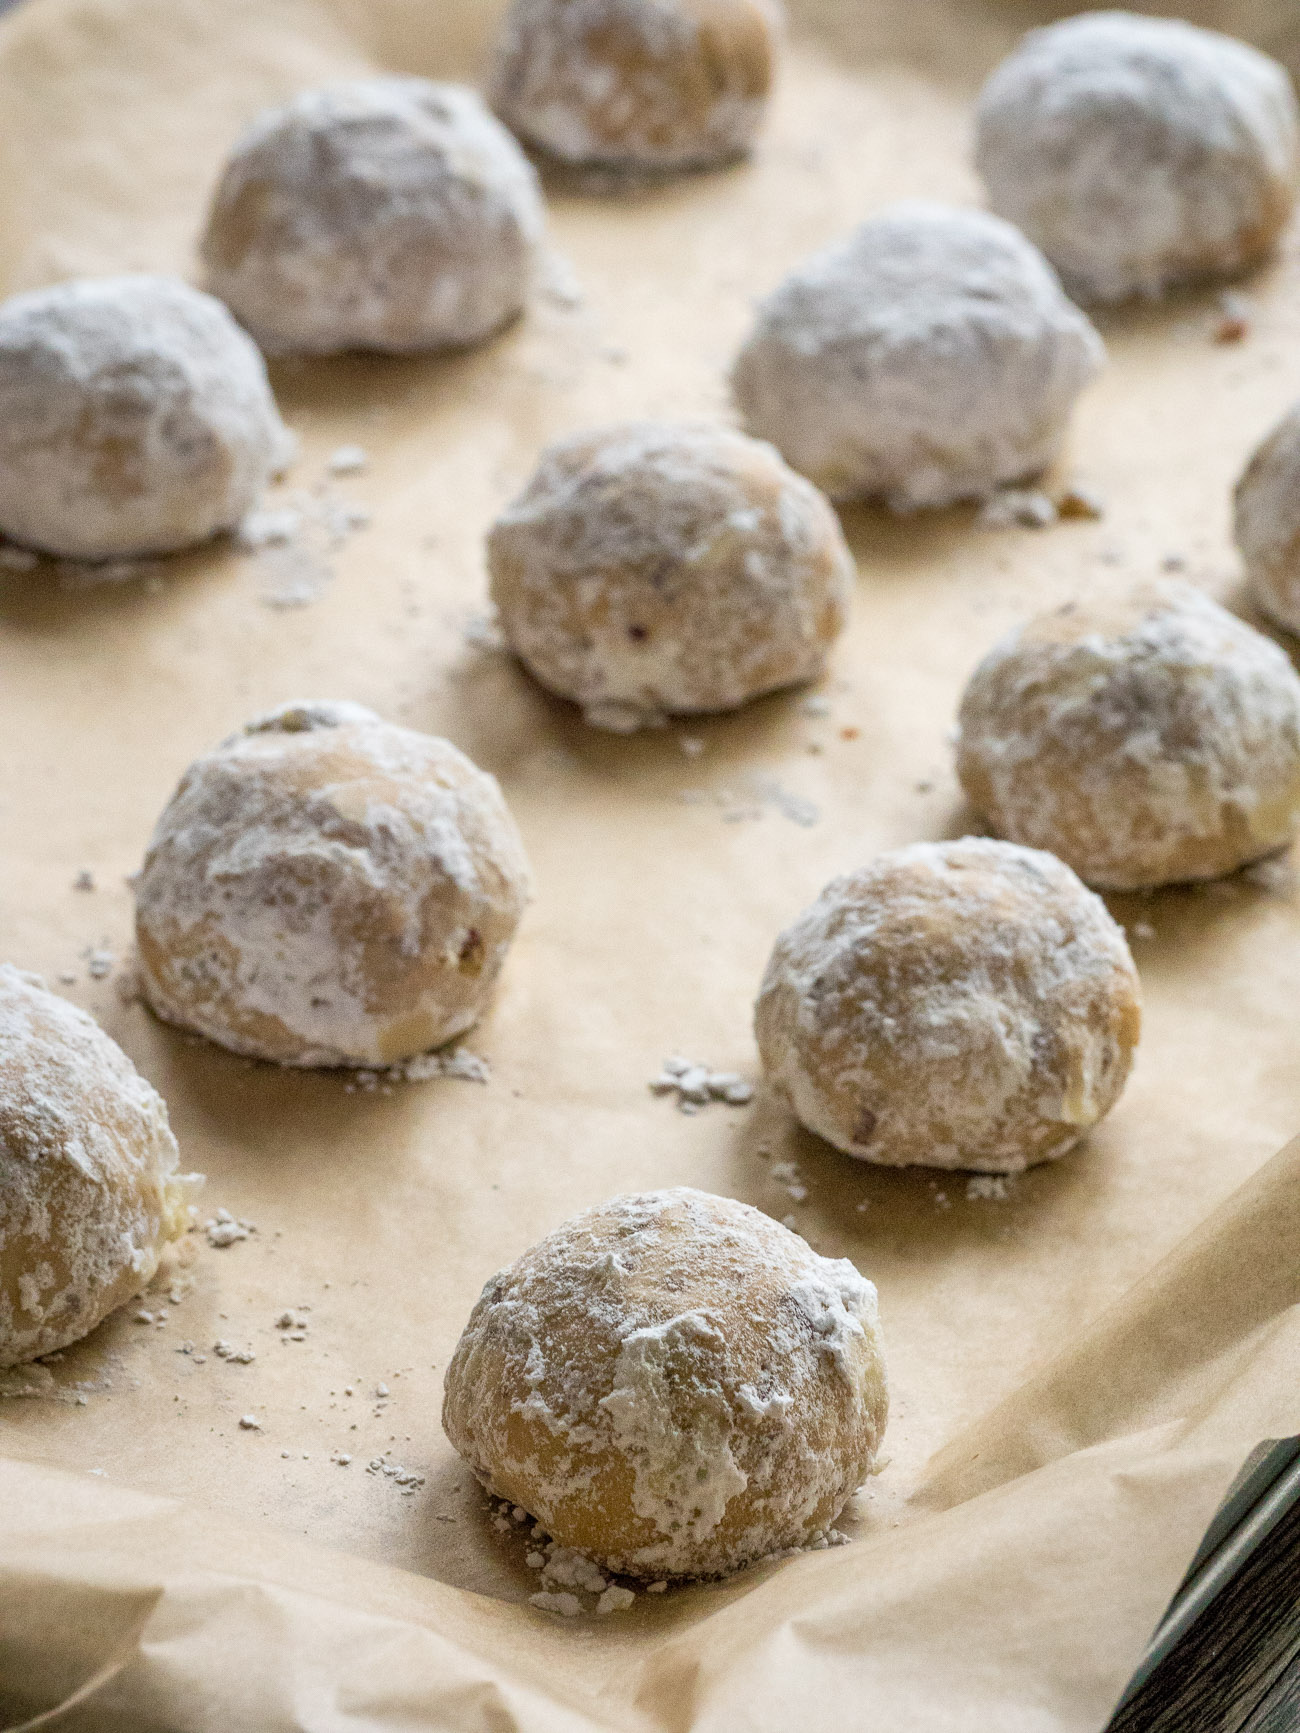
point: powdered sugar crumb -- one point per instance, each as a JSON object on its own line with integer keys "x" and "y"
{"x": 696, "y": 1085}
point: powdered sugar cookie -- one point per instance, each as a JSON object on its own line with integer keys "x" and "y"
{"x": 135, "y": 418}
{"x": 389, "y": 213}
{"x": 657, "y": 568}
{"x": 328, "y": 889}
{"x": 954, "y": 1004}
{"x": 1139, "y": 152}
{"x": 929, "y": 357}
{"x": 1267, "y": 522}
{"x": 89, "y": 1192}
{"x": 641, "y": 84}
{"x": 1146, "y": 738}
{"x": 673, "y": 1384}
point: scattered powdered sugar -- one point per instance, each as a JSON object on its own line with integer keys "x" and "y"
{"x": 293, "y": 1325}
{"x": 268, "y": 527}
{"x": 293, "y": 544}
{"x": 696, "y": 1085}
{"x": 347, "y": 460}
{"x": 99, "y": 961}
{"x": 406, "y": 1480}
{"x": 787, "y": 1175}
{"x": 1008, "y": 506}
{"x": 568, "y": 1606}
{"x": 989, "y": 1187}
{"x": 457, "y": 1062}
{"x": 236, "y": 1356}
{"x": 762, "y": 792}
{"x": 224, "y": 1229}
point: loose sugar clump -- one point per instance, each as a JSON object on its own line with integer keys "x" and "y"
{"x": 1147, "y": 737}
{"x": 135, "y": 418}
{"x": 654, "y": 569}
{"x": 89, "y": 1192}
{"x": 636, "y": 84}
{"x": 695, "y": 1086}
{"x": 673, "y": 1385}
{"x": 929, "y": 357}
{"x": 959, "y": 1005}
{"x": 328, "y": 889}
{"x": 390, "y": 213}
{"x": 1139, "y": 152}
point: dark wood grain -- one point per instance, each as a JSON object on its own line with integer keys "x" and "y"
{"x": 1237, "y": 1670}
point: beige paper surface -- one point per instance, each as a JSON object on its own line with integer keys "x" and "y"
{"x": 205, "y": 1578}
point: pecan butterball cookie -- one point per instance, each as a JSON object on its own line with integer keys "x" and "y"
{"x": 952, "y": 1004}
{"x": 1139, "y": 153}
{"x": 392, "y": 214}
{"x": 930, "y": 356}
{"x": 658, "y": 569}
{"x": 1147, "y": 737}
{"x": 673, "y": 1384}
{"x": 90, "y": 1195}
{"x": 328, "y": 889}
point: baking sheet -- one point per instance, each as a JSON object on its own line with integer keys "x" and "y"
{"x": 224, "y": 1582}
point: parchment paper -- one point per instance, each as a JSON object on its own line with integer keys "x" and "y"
{"x": 160, "y": 1567}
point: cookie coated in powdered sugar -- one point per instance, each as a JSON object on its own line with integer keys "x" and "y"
{"x": 89, "y": 1192}
{"x": 636, "y": 84}
{"x": 660, "y": 569}
{"x": 1139, "y": 152}
{"x": 672, "y": 1383}
{"x": 388, "y": 213}
{"x": 135, "y": 418}
{"x": 328, "y": 889}
{"x": 957, "y": 1005}
{"x": 928, "y": 357}
{"x": 1146, "y": 737}
{"x": 1266, "y": 522}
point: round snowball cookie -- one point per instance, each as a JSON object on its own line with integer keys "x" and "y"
{"x": 657, "y": 569}
{"x": 391, "y": 214}
{"x": 636, "y": 84}
{"x": 1267, "y": 523}
{"x": 927, "y": 358}
{"x": 327, "y": 889}
{"x": 953, "y": 1004}
{"x": 135, "y": 418}
{"x": 1139, "y": 152}
{"x": 673, "y": 1384}
{"x": 1146, "y": 738}
{"x": 89, "y": 1192}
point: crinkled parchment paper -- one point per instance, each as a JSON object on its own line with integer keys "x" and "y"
{"x": 162, "y": 1567}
